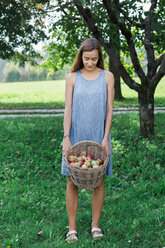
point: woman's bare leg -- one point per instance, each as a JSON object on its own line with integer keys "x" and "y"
{"x": 97, "y": 204}
{"x": 71, "y": 203}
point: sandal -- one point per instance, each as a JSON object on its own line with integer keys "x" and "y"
{"x": 96, "y": 236}
{"x": 70, "y": 238}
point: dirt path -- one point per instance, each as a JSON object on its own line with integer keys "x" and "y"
{"x": 15, "y": 113}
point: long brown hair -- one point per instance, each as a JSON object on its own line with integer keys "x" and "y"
{"x": 87, "y": 46}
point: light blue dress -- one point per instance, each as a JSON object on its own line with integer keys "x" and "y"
{"x": 89, "y": 113}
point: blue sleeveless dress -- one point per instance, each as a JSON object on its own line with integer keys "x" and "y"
{"x": 89, "y": 113}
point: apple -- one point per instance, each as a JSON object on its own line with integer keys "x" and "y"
{"x": 88, "y": 159}
{"x": 77, "y": 164}
{"x": 95, "y": 166}
{"x": 88, "y": 163}
{"x": 94, "y": 162}
{"x": 81, "y": 163}
{"x": 73, "y": 163}
{"x": 80, "y": 158}
{"x": 83, "y": 158}
{"x": 90, "y": 156}
{"x": 84, "y": 166}
{"x": 72, "y": 158}
{"x": 97, "y": 162}
{"x": 83, "y": 153}
{"x": 100, "y": 161}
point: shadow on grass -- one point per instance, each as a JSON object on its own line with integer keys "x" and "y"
{"x": 126, "y": 102}
{"x": 32, "y": 105}
{"x": 133, "y": 102}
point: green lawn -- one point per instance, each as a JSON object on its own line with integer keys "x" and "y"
{"x": 51, "y": 95}
{"x": 131, "y": 95}
{"x": 32, "y": 192}
{"x": 48, "y": 94}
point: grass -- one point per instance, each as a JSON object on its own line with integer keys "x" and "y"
{"x": 131, "y": 96}
{"x": 51, "y": 95}
{"x": 32, "y": 192}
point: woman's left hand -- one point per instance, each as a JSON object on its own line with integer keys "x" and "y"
{"x": 106, "y": 145}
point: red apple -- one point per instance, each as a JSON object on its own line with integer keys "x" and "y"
{"x": 90, "y": 156}
{"x": 81, "y": 163}
{"x": 73, "y": 163}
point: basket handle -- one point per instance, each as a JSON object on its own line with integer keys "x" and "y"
{"x": 87, "y": 141}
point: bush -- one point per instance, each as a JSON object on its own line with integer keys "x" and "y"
{"x": 13, "y": 76}
{"x": 13, "y": 73}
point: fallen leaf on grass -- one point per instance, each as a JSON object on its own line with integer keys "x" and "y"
{"x": 40, "y": 233}
{"x": 158, "y": 241}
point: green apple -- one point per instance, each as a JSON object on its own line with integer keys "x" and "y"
{"x": 84, "y": 166}
{"x": 95, "y": 166}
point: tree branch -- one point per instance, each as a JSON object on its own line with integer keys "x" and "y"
{"x": 89, "y": 21}
{"x": 159, "y": 60}
{"x": 66, "y": 14}
{"x": 158, "y": 76}
{"x": 147, "y": 42}
{"x": 137, "y": 24}
{"x": 87, "y": 17}
{"x": 128, "y": 36}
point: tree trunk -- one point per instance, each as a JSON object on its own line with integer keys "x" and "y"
{"x": 146, "y": 112}
{"x": 114, "y": 69}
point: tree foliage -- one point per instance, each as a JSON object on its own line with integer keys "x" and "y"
{"x": 141, "y": 31}
{"x": 21, "y": 27}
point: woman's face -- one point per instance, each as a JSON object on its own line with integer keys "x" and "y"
{"x": 90, "y": 59}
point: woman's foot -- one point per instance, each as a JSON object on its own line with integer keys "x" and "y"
{"x": 71, "y": 237}
{"x": 96, "y": 233}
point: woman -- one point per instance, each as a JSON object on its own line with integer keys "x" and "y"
{"x": 89, "y": 95}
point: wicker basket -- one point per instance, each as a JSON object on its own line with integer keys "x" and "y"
{"x": 87, "y": 178}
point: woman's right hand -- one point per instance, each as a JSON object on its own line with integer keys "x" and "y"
{"x": 66, "y": 145}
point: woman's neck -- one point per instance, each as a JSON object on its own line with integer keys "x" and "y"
{"x": 90, "y": 75}
{"x": 95, "y": 70}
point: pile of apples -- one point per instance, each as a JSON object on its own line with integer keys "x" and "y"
{"x": 84, "y": 161}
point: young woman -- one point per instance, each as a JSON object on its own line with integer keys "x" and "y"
{"x": 89, "y": 95}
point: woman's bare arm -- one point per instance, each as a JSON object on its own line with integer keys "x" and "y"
{"x": 109, "y": 110}
{"x": 70, "y": 80}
